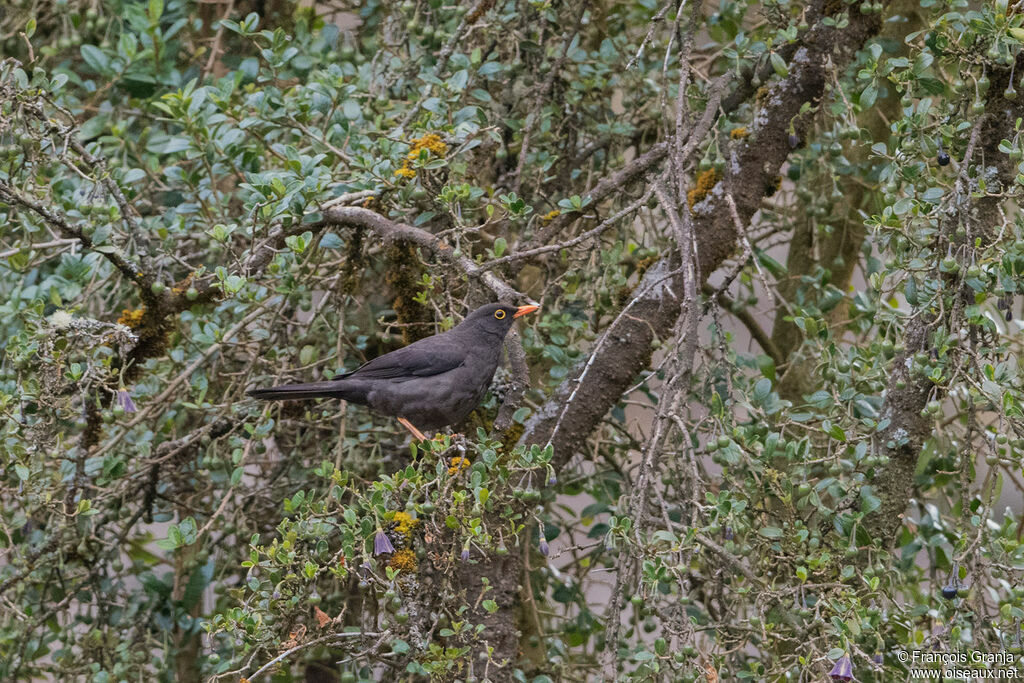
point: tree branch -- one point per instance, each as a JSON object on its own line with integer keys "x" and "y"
{"x": 756, "y": 161}
{"x": 390, "y": 230}
{"x": 907, "y": 394}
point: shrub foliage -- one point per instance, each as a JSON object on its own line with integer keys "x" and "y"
{"x": 765, "y": 425}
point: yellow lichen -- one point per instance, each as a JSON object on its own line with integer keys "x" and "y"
{"x": 403, "y": 560}
{"x": 130, "y": 318}
{"x": 431, "y": 142}
{"x": 404, "y": 523}
{"x": 551, "y": 215}
{"x": 458, "y": 464}
{"x": 511, "y": 436}
{"x": 738, "y": 133}
{"x": 705, "y": 181}
{"x": 182, "y": 286}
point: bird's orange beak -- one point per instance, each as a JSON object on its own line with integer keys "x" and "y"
{"x": 523, "y": 310}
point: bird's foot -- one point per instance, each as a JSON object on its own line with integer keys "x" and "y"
{"x": 417, "y": 434}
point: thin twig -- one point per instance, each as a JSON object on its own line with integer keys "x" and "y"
{"x": 312, "y": 643}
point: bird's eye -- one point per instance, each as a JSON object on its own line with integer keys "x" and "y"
{"x": 499, "y": 314}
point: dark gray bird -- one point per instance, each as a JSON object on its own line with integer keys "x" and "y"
{"x": 431, "y": 383}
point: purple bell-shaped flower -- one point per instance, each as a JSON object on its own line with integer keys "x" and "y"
{"x": 843, "y": 670}
{"x": 382, "y": 544}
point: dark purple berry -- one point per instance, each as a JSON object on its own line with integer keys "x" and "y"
{"x": 794, "y": 141}
{"x": 949, "y": 591}
{"x": 943, "y": 159}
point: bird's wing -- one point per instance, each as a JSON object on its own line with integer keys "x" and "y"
{"x": 410, "y": 362}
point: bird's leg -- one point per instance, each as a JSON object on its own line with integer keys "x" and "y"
{"x": 417, "y": 434}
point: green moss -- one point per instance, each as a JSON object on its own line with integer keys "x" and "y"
{"x": 403, "y": 276}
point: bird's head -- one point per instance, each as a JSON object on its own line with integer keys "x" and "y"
{"x": 496, "y": 318}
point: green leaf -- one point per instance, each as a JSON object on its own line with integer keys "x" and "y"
{"x": 665, "y": 536}
{"x": 773, "y": 266}
{"x": 331, "y": 241}
{"x": 869, "y": 502}
{"x": 95, "y": 58}
{"x": 762, "y": 389}
{"x": 458, "y": 81}
{"x": 490, "y": 69}
{"x": 351, "y": 109}
{"x": 176, "y": 144}
{"x": 902, "y": 206}
{"x": 868, "y": 96}
{"x": 779, "y": 65}
{"x": 836, "y": 432}
{"x": 174, "y": 539}
{"x": 910, "y": 291}
{"x": 133, "y": 175}
{"x": 127, "y": 45}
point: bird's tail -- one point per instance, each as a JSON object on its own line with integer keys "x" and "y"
{"x": 294, "y": 392}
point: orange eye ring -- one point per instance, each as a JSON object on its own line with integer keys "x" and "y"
{"x": 499, "y": 314}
